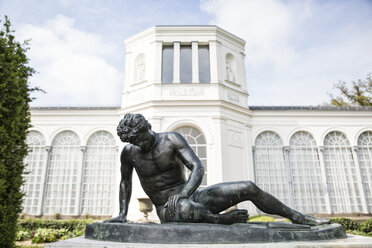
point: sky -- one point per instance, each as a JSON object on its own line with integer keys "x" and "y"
{"x": 295, "y": 50}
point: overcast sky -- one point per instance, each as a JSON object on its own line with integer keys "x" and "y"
{"x": 295, "y": 51}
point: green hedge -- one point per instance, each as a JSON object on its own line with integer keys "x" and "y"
{"x": 348, "y": 224}
{"x": 70, "y": 225}
{"x": 366, "y": 226}
{"x": 44, "y": 231}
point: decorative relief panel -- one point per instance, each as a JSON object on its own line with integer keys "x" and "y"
{"x": 231, "y": 97}
{"x": 186, "y": 92}
{"x": 235, "y": 138}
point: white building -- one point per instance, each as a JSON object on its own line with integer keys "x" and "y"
{"x": 192, "y": 79}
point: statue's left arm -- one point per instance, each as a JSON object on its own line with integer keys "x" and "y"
{"x": 192, "y": 162}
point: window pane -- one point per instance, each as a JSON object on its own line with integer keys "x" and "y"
{"x": 341, "y": 173}
{"x": 62, "y": 177}
{"x": 365, "y": 162}
{"x": 35, "y": 160}
{"x": 99, "y": 174}
{"x": 204, "y": 73}
{"x": 186, "y": 64}
{"x": 308, "y": 188}
{"x": 167, "y": 64}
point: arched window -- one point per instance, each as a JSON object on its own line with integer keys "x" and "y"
{"x": 140, "y": 68}
{"x": 365, "y": 163}
{"x": 61, "y": 184}
{"x": 35, "y": 161}
{"x": 99, "y": 175}
{"x": 308, "y": 188}
{"x": 341, "y": 174}
{"x": 230, "y": 68}
{"x": 270, "y": 171}
{"x": 197, "y": 142}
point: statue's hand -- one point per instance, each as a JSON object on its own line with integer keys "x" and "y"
{"x": 117, "y": 219}
{"x": 173, "y": 200}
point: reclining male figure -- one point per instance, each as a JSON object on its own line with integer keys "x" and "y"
{"x": 160, "y": 159}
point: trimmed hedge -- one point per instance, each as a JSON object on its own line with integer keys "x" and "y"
{"x": 348, "y": 224}
{"x": 70, "y": 225}
{"x": 44, "y": 231}
{"x": 366, "y": 226}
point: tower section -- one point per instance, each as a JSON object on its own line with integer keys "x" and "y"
{"x": 184, "y": 63}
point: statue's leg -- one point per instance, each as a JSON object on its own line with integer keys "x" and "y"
{"x": 224, "y": 195}
{"x": 190, "y": 211}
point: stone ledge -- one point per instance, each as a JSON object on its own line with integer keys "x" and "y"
{"x": 352, "y": 241}
{"x": 192, "y": 233}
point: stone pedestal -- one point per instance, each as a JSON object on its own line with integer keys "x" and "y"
{"x": 192, "y": 233}
{"x": 351, "y": 241}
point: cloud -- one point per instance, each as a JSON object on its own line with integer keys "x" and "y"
{"x": 296, "y": 50}
{"x": 72, "y": 64}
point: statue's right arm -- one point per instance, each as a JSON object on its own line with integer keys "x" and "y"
{"x": 125, "y": 190}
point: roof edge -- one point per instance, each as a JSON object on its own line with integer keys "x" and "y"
{"x": 310, "y": 108}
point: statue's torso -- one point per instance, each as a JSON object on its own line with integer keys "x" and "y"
{"x": 160, "y": 171}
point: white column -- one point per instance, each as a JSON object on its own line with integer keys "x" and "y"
{"x": 48, "y": 149}
{"x": 195, "y": 62}
{"x": 359, "y": 180}
{"x": 287, "y": 161}
{"x": 213, "y": 58}
{"x": 80, "y": 180}
{"x": 158, "y": 61}
{"x": 324, "y": 178}
{"x": 176, "y": 62}
{"x": 127, "y": 71}
{"x": 254, "y": 163}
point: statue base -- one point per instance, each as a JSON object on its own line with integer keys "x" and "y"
{"x": 200, "y": 233}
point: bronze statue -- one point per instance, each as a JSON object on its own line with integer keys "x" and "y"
{"x": 160, "y": 159}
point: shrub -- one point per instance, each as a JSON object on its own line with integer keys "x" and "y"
{"x": 348, "y": 224}
{"x": 14, "y": 123}
{"x": 261, "y": 218}
{"x": 44, "y": 235}
{"x": 366, "y": 226}
{"x": 23, "y": 235}
{"x": 57, "y": 216}
{"x": 70, "y": 225}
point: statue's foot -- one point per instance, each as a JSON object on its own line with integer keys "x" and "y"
{"x": 235, "y": 216}
{"x": 311, "y": 220}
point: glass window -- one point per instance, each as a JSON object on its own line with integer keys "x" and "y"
{"x": 61, "y": 182}
{"x": 308, "y": 187}
{"x": 186, "y": 64}
{"x": 204, "y": 67}
{"x": 270, "y": 170}
{"x": 167, "y": 64}
{"x": 341, "y": 174}
{"x": 99, "y": 175}
{"x": 365, "y": 162}
{"x": 197, "y": 142}
{"x": 35, "y": 161}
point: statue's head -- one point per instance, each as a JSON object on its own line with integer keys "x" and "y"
{"x": 134, "y": 128}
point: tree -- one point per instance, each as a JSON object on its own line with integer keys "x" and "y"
{"x": 360, "y": 93}
{"x": 14, "y": 123}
